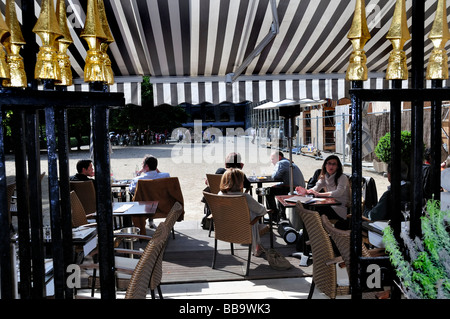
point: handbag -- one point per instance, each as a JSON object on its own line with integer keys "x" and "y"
{"x": 277, "y": 261}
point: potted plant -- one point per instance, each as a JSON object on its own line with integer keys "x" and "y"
{"x": 425, "y": 274}
{"x": 383, "y": 148}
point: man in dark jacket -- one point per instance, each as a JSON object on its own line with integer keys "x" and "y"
{"x": 382, "y": 210}
{"x": 85, "y": 171}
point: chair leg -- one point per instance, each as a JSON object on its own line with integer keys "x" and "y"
{"x": 214, "y": 256}
{"x": 311, "y": 290}
{"x": 210, "y": 227}
{"x": 152, "y": 292}
{"x": 248, "y": 259}
{"x": 94, "y": 277}
{"x": 160, "y": 292}
{"x": 232, "y": 248}
{"x": 173, "y": 233}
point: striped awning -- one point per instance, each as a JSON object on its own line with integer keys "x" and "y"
{"x": 241, "y": 50}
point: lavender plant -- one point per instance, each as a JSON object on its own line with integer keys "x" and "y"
{"x": 426, "y": 273}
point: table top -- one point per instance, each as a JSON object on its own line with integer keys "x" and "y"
{"x": 121, "y": 183}
{"x": 134, "y": 208}
{"x": 320, "y": 201}
{"x": 261, "y": 179}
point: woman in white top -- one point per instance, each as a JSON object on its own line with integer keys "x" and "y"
{"x": 334, "y": 183}
{"x": 232, "y": 183}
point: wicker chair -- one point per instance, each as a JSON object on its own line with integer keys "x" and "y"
{"x": 125, "y": 265}
{"x": 145, "y": 267}
{"x": 214, "y": 188}
{"x": 156, "y": 278}
{"x": 166, "y": 191}
{"x": 214, "y": 182}
{"x": 342, "y": 240}
{"x": 79, "y": 217}
{"x": 324, "y": 268}
{"x": 86, "y": 193}
{"x": 231, "y": 222}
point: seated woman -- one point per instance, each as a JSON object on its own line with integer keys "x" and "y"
{"x": 232, "y": 183}
{"x": 334, "y": 183}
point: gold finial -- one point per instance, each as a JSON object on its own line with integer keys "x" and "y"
{"x": 398, "y": 34}
{"x": 13, "y": 44}
{"x": 4, "y": 33}
{"x": 63, "y": 44}
{"x": 437, "y": 68}
{"x": 94, "y": 35}
{"x": 47, "y": 28}
{"x": 358, "y": 35}
{"x": 107, "y": 69}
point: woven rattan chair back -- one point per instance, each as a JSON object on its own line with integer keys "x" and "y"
{"x": 324, "y": 272}
{"x": 140, "y": 279}
{"x": 231, "y": 218}
{"x": 231, "y": 222}
{"x": 156, "y": 277}
{"x": 214, "y": 182}
{"x": 342, "y": 240}
{"x": 86, "y": 193}
{"x": 78, "y": 212}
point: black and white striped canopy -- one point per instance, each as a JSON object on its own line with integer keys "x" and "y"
{"x": 240, "y": 50}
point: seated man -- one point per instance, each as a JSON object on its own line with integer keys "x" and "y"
{"x": 282, "y": 173}
{"x": 150, "y": 171}
{"x": 233, "y": 160}
{"x": 85, "y": 171}
{"x": 382, "y": 210}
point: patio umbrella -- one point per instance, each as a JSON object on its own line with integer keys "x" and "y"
{"x": 289, "y": 109}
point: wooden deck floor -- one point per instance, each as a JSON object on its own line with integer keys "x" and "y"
{"x": 188, "y": 259}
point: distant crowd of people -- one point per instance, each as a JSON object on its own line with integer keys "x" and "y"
{"x": 134, "y": 138}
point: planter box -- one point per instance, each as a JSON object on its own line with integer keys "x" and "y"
{"x": 380, "y": 167}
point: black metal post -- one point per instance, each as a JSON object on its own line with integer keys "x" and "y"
{"x": 396, "y": 128}
{"x": 417, "y": 72}
{"x": 23, "y": 210}
{"x": 435, "y": 144}
{"x": 55, "y": 212}
{"x": 104, "y": 202}
{"x": 356, "y": 237}
{"x": 35, "y": 202}
{"x": 66, "y": 213}
{"x": 6, "y": 268}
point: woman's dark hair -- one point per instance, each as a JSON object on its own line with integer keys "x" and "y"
{"x": 339, "y": 170}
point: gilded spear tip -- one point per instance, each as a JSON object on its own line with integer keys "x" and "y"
{"x": 104, "y": 21}
{"x": 437, "y": 68}
{"x": 359, "y": 34}
{"x": 93, "y": 26}
{"x": 62, "y": 21}
{"x": 47, "y": 21}
{"x": 4, "y": 29}
{"x": 13, "y": 23}
{"x": 359, "y": 29}
{"x": 398, "y": 34}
